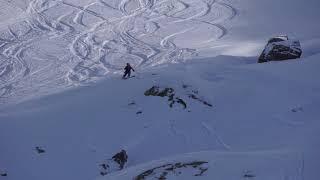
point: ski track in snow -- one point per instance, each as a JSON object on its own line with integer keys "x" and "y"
{"x": 212, "y": 132}
{"x": 97, "y": 38}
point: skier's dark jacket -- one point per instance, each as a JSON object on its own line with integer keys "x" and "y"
{"x": 128, "y": 68}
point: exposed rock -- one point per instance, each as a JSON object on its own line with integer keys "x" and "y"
{"x": 40, "y": 150}
{"x": 161, "y": 172}
{"x": 166, "y": 92}
{"x": 116, "y": 163}
{"x": 104, "y": 169}
{"x": 185, "y": 86}
{"x": 193, "y": 96}
{"x": 173, "y": 98}
{"x": 156, "y": 91}
{"x": 139, "y": 112}
{"x": 121, "y": 158}
{"x": 3, "y": 174}
{"x": 132, "y": 103}
{"x": 280, "y": 48}
{"x": 180, "y": 101}
{"x": 248, "y": 175}
{"x": 298, "y": 109}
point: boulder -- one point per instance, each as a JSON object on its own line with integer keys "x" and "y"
{"x": 280, "y": 48}
{"x": 116, "y": 163}
{"x": 157, "y": 91}
{"x": 121, "y": 158}
{"x": 3, "y": 174}
{"x": 40, "y": 150}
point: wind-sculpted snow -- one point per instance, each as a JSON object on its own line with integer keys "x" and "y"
{"x": 64, "y": 43}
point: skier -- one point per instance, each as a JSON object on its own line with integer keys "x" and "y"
{"x": 127, "y": 71}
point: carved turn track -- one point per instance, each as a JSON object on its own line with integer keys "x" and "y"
{"x": 64, "y": 43}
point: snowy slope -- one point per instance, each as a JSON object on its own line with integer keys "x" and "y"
{"x": 217, "y": 165}
{"x": 47, "y": 46}
{"x": 60, "y": 89}
{"x": 256, "y": 108}
{"x": 64, "y": 43}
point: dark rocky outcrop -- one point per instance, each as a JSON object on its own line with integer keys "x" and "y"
{"x": 280, "y": 48}
{"x": 166, "y": 92}
{"x": 174, "y": 99}
{"x": 248, "y": 175}
{"x": 116, "y": 163}
{"x": 121, "y": 158}
{"x": 194, "y": 94}
{"x": 161, "y": 172}
{"x": 297, "y": 109}
{"x": 40, "y": 150}
{"x": 132, "y": 103}
{"x": 195, "y": 97}
{"x": 156, "y": 91}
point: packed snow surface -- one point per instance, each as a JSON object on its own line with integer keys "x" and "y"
{"x": 64, "y": 108}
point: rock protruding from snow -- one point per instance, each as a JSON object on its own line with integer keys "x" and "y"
{"x": 116, "y": 163}
{"x": 281, "y": 48}
{"x": 248, "y": 175}
{"x": 3, "y": 173}
{"x": 177, "y": 97}
{"x": 166, "y": 92}
{"x": 40, "y": 150}
{"x": 198, "y": 168}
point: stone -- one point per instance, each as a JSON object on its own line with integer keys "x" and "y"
{"x": 40, "y": 150}
{"x": 116, "y": 163}
{"x": 280, "y": 48}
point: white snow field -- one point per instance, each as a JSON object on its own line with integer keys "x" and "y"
{"x": 225, "y": 117}
{"x": 64, "y": 43}
{"x": 264, "y": 120}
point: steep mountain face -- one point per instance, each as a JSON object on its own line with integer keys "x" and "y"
{"x": 198, "y": 107}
